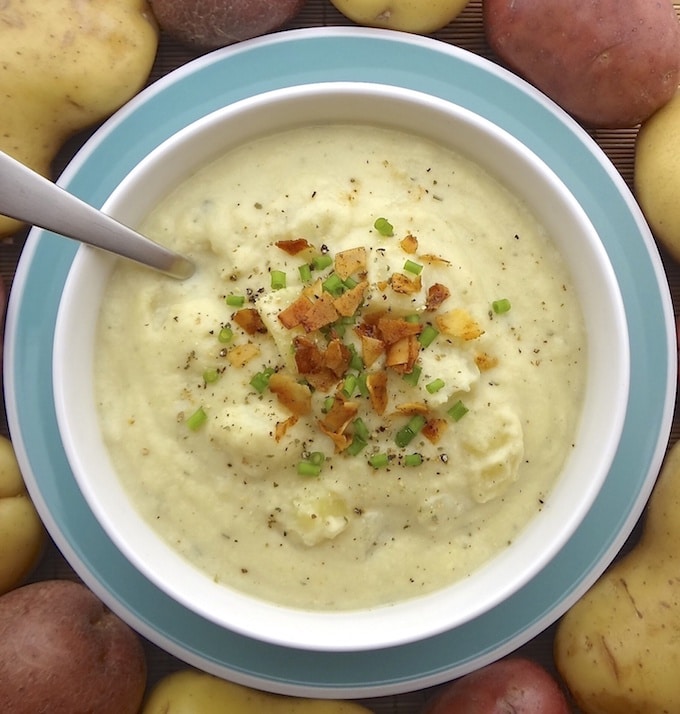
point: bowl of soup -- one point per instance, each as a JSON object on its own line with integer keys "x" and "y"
{"x": 387, "y": 396}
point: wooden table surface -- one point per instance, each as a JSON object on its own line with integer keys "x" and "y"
{"x": 466, "y": 32}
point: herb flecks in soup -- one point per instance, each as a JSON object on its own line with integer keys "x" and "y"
{"x": 370, "y": 384}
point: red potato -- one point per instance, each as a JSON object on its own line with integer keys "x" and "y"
{"x": 63, "y": 652}
{"x": 606, "y": 62}
{"x": 209, "y": 24}
{"x": 510, "y": 686}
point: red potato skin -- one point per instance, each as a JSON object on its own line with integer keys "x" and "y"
{"x": 209, "y": 24}
{"x": 63, "y": 652}
{"x": 510, "y": 686}
{"x": 608, "y": 63}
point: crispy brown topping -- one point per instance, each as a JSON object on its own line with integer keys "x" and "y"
{"x": 405, "y": 285}
{"x": 335, "y": 423}
{"x": 459, "y": 323}
{"x": 321, "y": 313}
{"x": 308, "y": 357}
{"x": 393, "y": 329}
{"x": 249, "y": 320}
{"x": 401, "y": 356}
{"x": 434, "y": 429}
{"x": 295, "y": 397}
{"x": 314, "y": 291}
{"x": 409, "y": 244}
{"x": 371, "y": 349}
{"x": 337, "y": 357}
{"x": 349, "y": 262}
{"x": 292, "y": 315}
{"x": 312, "y": 362}
{"x": 349, "y": 302}
{"x": 485, "y": 361}
{"x": 436, "y": 295}
{"x": 376, "y": 382}
{"x": 240, "y": 355}
{"x": 311, "y": 314}
{"x": 433, "y": 259}
{"x": 294, "y": 246}
{"x": 370, "y": 319}
{"x": 412, "y": 408}
{"x": 283, "y": 426}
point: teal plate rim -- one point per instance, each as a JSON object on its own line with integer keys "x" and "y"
{"x": 318, "y": 55}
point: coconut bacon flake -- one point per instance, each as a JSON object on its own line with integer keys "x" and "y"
{"x": 436, "y": 295}
{"x": 292, "y": 395}
{"x": 293, "y": 246}
{"x": 459, "y": 323}
{"x": 336, "y": 421}
{"x": 350, "y": 262}
{"x": 249, "y": 320}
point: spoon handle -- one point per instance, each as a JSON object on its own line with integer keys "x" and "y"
{"x": 31, "y": 198}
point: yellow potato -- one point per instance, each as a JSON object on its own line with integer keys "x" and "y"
{"x": 406, "y": 15}
{"x": 21, "y": 532}
{"x": 617, "y": 647}
{"x": 193, "y": 692}
{"x": 657, "y": 174}
{"x": 65, "y": 65}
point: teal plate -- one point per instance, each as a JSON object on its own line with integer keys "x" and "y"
{"x": 318, "y": 55}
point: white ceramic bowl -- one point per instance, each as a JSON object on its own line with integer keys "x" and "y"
{"x": 598, "y": 432}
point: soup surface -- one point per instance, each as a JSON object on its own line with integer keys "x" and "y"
{"x": 369, "y": 385}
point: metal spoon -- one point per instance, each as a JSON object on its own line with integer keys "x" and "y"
{"x": 31, "y": 198}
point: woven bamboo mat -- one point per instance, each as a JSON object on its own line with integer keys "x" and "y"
{"x": 466, "y": 32}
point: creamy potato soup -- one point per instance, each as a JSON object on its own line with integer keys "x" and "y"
{"x": 368, "y": 387}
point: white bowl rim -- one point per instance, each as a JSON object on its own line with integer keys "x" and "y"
{"x": 343, "y": 631}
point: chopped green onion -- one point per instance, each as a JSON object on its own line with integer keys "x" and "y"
{"x": 225, "y": 334}
{"x": 413, "y": 376}
{"x": 362, "y": 384}
{"x": 457, "y": 411}
{"x": 197, "y": 419}
{"x": 360, "y": 429}
{"x": 384, "y": 227}
{"x": 427, "y": 336}
{"x": 333, "y": 284}
{"x": 355, "y": 361}
{"x": 235, "y": 300}
{"x": 308, "y": 468}
{"x": 316, "y": 457}
{"x": 412, "y": 267}
{"x": 327, "y": 404}
{"x": 210, "y": 375}
{"x": 349, "y": 385}
{"x": 278, "y": 280}
{"x": 305, "y": 272}
{"x": 413, "y": 459}
{"x": 379, "y": 461}
{"x": 414, "y": 318}
{"x": 434, "y": 386}
{"x": 319, "y": 262}
{"x": 350, "y": 283}
{"x": 344, "y": 322}
{"x": 501, "y": 306}
{"x": 407, "y": 433}
{"x": 356, "y": 446}
{"x": 260, "y": 381}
